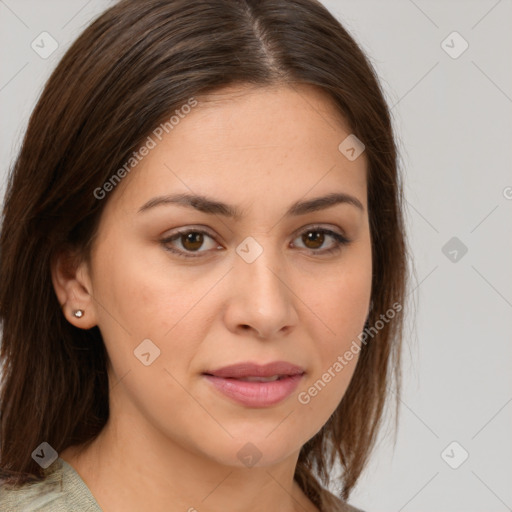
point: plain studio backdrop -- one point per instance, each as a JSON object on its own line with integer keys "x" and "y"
{"x": 447, "y": 74}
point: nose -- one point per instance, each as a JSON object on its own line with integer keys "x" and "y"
{"x": 261, "y": 298}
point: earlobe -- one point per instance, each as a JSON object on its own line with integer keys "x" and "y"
{"x": 73, "y": 288}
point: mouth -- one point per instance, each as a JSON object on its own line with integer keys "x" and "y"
{"x": 256, "y": 385}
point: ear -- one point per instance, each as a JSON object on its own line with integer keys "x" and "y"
{"x": 73, "y": 287}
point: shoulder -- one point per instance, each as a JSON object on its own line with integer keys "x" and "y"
{"x": 60, "y": 491}
{"x": 343, "y": 506}
{"x": 350, "y": 508}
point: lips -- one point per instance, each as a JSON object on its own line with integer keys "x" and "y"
{"x": 249, "y": 370}
{"x": 256, "y": 385}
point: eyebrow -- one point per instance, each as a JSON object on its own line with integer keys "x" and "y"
{"x": 208, "y": 205}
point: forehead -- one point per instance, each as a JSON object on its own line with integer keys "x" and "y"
{"x": 251, "y": 142}
{"x": 292, "y": 111}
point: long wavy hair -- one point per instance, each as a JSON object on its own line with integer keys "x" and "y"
{"x": 126, "y": 73}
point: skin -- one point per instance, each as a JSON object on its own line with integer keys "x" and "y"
{"x": 172, "y": 438}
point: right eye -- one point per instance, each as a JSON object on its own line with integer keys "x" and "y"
{"x": 191, "y": 240}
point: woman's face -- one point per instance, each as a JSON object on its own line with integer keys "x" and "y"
{"x": 268, "y": 285}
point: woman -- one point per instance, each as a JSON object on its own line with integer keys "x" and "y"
{"x": 203, "y": 265}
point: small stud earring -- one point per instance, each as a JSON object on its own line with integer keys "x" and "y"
{"x": 78, "y": 313}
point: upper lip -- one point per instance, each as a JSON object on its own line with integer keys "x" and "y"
{"x": 250, "y": 369}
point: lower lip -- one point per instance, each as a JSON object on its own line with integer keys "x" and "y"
{"x": 256, "y": 394}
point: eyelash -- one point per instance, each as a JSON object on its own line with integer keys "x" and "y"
{"x": 340, "y": 241}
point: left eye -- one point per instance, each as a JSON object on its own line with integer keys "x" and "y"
{"x": 192, "y": 240}
{"x": 316, "y": 236}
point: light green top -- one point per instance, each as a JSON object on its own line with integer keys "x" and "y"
{"x": 61, "y": 491}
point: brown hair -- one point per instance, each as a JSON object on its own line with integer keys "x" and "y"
{"x": 124, "y": 75}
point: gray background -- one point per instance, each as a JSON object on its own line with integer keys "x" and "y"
{"x": 454, "y": 123}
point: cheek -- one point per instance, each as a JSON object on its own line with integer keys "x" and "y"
{"x": 340, "y": 299}
{"x": 351, "y": 299}
{"x": 144, "y": 297}
{"x": 340, "y": 304}
{"x": 143, "y": 294}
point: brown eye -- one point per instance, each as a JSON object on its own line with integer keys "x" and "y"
{"x": 313, "y": 239}
{"x": 192, "y": 241}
